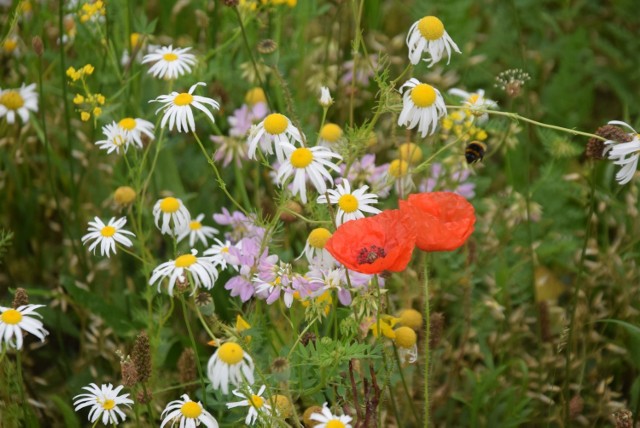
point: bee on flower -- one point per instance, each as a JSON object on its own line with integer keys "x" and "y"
{"x": 422, "y": 105}
{"x": 429, "y": 36}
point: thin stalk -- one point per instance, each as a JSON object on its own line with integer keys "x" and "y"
{"x": 23, "y": 400}
{"x": 427, "y": 333}
{"x": 195, "y": 348}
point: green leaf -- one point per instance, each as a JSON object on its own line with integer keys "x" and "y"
{"x": 68, "y": 415}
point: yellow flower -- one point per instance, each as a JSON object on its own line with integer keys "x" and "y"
{"x": 85, "y": 116}
{"x": 386, "y": 326}
{"x": 78, "y": 99}
{"x": 97, "y": 111}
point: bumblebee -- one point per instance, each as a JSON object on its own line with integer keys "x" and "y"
{"x": 474, "y": 152}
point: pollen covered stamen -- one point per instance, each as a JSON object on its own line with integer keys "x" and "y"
{"x": 331, "y": 132}
{"x": 301, "y": 157}
{"x": 169, "y": 205}
{"x": 11, "y": 316}
{"x": 127, "y": 123}
{"x": 348, "y": 203}
{"x": 275, "y": 124}
{"x": 230, "y": 353}
{"x": 195, "y": 225}
{"x": 431, "y": 28}
{"x": 423, "y": 95}
{"x": 12, "y": 100}
{"x": 108, "y": 404}
{"x": 169, "y": 57}
{"x": 256, "y": 401}
{"x": 191, "y": 410}
{"x": 185, "y": 261}
{"x": 183, "y": 99}
{"x": 318, "y": 237}
{"x": 108, "y": 231}
{"x": 370, "y": 255}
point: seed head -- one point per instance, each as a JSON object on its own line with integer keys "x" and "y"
{"x": 187, "y": 370}
{"x": 20, "y": 298}
{"x": 141, "y": 356}
{"x": 436, "y": 324}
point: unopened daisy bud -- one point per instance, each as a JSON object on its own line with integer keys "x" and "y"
{"x": 129, "y": 372}
{"x": 398, "y": 168}
{"x": 325, "y": 97}
{"x": 280, "y": 369}
{"x": 141, "y": 356}
{"x": 290, "y": 208}
{"x": 124, "y": 196}
{"x": 411, "y": 318}
{"x": 20, "y": 298}
{"x": 306, "y": 416}
{"x": 330, "y": 134}
{"x": 410, "y": 152}
{"x": 282, "y": 405}
{"x": 624, "y": 418}
{"x": 436, "y": 324}
{"x": 37, "y": 45}
{"x": 405, "y": 337}
{"x": 267, "y": 46}
{"x": 187, "y": 370}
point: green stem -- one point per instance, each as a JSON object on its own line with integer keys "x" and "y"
{"x": 300, "y": 337}
{"x": 427, "y": 333}
{"x": 195, "y": 348}
{"x": 23, "y": 400}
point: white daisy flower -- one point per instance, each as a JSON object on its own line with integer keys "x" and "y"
{"x": 303, "y": 161}
{"x": 230, "y": 364}
{"x": 406, "y": 342}
{"x": 314, "y": 249}
{"x": 221, "y": 255}
{"x": 178, "y": 108}
{"x": 14, "y": 321}
{"x": 325, "y": 97}
{"x": 422, "y": 105}
{"x": 187, "y": 413}
{"x": 625, "y": 154}
{"x": 18, "y": 101}
{"x": 175, "y": 216}
{"x": 107, "y": 235}
{"x": 134, "y": 128}
{"x": 170, "y": 62}
{"x": 428, "y": 35}
{"x": 103, "y": 401}
{"x": 476, "y": 102}
{"x": 275, "y": 130}
{"x": 202, "y": 269}
{"x": 351, "y": 205}
{"x": 256, "y": 403}
{"x": 196, "y": 230}
{"x": 330, "y": 134}
{"x": 116, "y": 139}
{"x": 329, "y": 420}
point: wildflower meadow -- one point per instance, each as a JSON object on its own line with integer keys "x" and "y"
{"x": 319, "y": 213}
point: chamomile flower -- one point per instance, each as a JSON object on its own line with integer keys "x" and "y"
{"x": 625, "y": 154}
{"x": 256, "y": 403}
{"x": 302, "y": 162}
{"x": 329, "y": 420}
{"x": 134, "y": 128}
{"x": 202, "y": 270}
{"x": 476, "y": 102}
{"x": 325, "y": 97}
{"x": 174, "y": 215}
{"x": 177, "y": 108}
{"x": 14, "y": 321}
{"x": 422, "y": 105}
{"x": 406, "y": 339}
{"x": 274, "y": 131}
{"x": 351, "y": 205}
{"x": 221, "y": 254}
{"x": 18, "y": 102}
{"x": 230, "y": 365}
{"x": 314, "y": 248}
{"x": 104, "y": 400}
{"x": 187, "y": 413}
{"x": 170, "y": 62}
{"x": 107, "y": 235}
{"x": 428, "y": 35}
{"x": 197, "y": 231}
{"x": 116, "y": 139}
{"x": 330, "y": 134}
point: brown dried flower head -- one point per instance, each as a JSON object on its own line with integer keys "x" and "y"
{"x": 20, "y": 298}
{"x": 596, "y": 147}
{"x": 141, "y": 356}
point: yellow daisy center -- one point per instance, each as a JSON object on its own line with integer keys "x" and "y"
{"x": 11, "y": 316}
{"x": 108, "y": 404}
{"x": 108, "y": 231}
{"x": 255, "y": 96}
{"x": 169, "y": 205}
{"x": 398, "y": 168}
{"x": 335, "y": 423}
{"x": 275, "y": 123}
{"x": 318, "y": 237}
{"x": 431, "y": 28}
{"x": 169, "y": 57}
{"x": 411, "y": 318}
{"x": 128, "y": 123}
{"x": 230, "y": 353}
{"x": 183, "y": 99}
{"x": 405, "y": 337}
{"x": 301, "y": 157}
{"x": 185, "y": 261}
{"x": 256, "y": 401}
{"x": 331, "y": 132}
{"x": 473, "y": 98}
{"x": 134, "y": 38}
{"x": 224, "y": 250}
{"x": 9, "y": 45}
{"x": 12, "y": 100}
{"x": 423, "y": 95}
{"x": 348, "y": 203}
{"x": 191, "y": 410}
{"x": 195, "y": 225}
{"x": 124, "y": 195}
{"x": 410, "y": 152}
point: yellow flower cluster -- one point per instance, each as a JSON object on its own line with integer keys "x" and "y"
{"x": 461, "y": 126}
{"x": 91, "y": 10}
{"x": 253, "y": 4}
{"x": 76, "y": 75}
{"x": 88, "y": 103}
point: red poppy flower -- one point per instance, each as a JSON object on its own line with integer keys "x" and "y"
{"x": 443, "y": 220}
{"x": 375, "y": 244}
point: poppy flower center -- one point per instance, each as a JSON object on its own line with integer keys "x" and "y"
{"x": 348, "y": 203}
{"x": 423, "y": 95}
{"x": 405, "y": 337}
{"x": 431, "y": 28}
{"x": 318, "y": 237}
{"x": 128, "y": 123}
{"x": 183, "y": 99}
{"x": 108, "y": 404}
{"x": 256, "y": 401}
{"x": 191, "y": 410}
{"x": 108, "y": 231}
{"x": 185, "y": 261}
{"x": 170, "y": 57}
{"x": 11, "y": 316}
{"x": 275, "y": 124}
{"x": 169, "y": 205}
{"x": 195, "y": 225}
{"x": 368, "y": 255}
{"x": 398, "y": 168}
{"x": 301, "y": 157}
{"x": 334, "y": 423}
{"x": 331, "y": 132}
{"x": 12, "y": 100}
{"x": 230, "y": 353}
